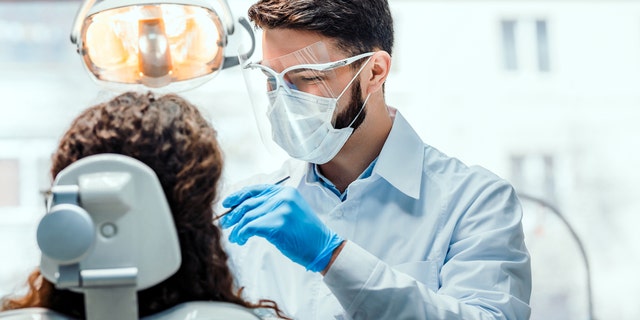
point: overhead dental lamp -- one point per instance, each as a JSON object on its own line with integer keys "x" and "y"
{"x": 170, "y": 44}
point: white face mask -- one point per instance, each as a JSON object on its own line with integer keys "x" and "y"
{"x": 301, "y": 124}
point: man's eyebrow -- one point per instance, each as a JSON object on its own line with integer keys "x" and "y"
{"x": 296, "y": 71}
{"x": 319, "y": 70}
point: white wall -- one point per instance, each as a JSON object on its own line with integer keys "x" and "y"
{"x": 450, "y": 83}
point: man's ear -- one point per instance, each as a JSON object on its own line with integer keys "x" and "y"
{"x": 380, "y": 65}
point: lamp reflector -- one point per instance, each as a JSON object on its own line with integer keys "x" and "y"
{"x": 153, "y": 44}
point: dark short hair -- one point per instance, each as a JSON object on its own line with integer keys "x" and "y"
{"x": 358, "y": 25}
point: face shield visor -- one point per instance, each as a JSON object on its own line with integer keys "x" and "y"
{"x": 175, "y": 45}
{"x": 311, "y": 76}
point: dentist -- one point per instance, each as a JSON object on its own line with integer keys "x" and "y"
{"x": 373, "y": 223}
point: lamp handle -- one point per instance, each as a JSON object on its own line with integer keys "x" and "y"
{"x": 228, "y": 16}
{"x": 79, "y": 20}
{"x": 231, "y": 61}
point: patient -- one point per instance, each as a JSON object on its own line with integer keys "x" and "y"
{"x": 169, "y": 135}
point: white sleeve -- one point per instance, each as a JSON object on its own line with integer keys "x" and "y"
{"x": 486, "y": 274}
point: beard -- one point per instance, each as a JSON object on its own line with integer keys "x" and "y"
{"x": 344, "y": 118}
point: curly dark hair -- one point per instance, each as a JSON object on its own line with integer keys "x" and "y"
{"x": 170, "y": 136}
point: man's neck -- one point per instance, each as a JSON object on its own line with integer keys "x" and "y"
{"x": 357, "y": 154}
{"x": 343, "y": 173}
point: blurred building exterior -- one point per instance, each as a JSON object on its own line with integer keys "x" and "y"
{"x": 544, "y": 93}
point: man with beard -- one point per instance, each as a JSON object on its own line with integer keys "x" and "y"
{"x": 372, "y": 223}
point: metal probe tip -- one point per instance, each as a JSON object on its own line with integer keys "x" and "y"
{"x": 230, "y": 209}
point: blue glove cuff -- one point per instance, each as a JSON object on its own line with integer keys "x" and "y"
{"x": 322, "y": 260}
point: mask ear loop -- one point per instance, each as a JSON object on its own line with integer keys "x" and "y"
{"x": 349, "y": 85}
{"x": 353, "y": 79}
{"x": 359, "y": 112}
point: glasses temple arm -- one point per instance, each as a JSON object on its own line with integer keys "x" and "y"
{"x": 329, "y": 65}
{"x": 79, "y": 20}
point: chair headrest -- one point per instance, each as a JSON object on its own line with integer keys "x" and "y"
{"x": 108, "y": 221}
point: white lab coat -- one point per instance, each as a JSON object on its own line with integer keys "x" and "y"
{"x": 427, "y": 238}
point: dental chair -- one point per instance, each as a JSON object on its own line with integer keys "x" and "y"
{"x": 109, "y": 233}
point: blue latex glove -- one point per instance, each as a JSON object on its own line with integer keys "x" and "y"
{"x": 280, "y": 215}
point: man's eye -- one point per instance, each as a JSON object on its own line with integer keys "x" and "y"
{"x": 311, "y": 78}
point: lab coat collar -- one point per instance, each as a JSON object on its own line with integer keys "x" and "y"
{"x": 401, "y": 158}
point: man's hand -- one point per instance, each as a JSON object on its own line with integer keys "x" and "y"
{"x": 280, "y": 215}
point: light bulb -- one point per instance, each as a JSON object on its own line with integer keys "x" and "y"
{"x": 105, "y": 46}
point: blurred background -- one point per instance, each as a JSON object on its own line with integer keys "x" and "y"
{"x": 544, "y": 93}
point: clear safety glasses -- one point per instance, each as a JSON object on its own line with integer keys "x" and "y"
{"x": 310, "y": 78}
{"x": 311, "y": 70}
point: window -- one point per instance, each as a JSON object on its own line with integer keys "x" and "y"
{"x": 542, "y": 46}
{"x": 525, "y": 42}
{"x": 36, "y": 32}
{"x": 9, "y": 183}
{"x": 509, "y": 44}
